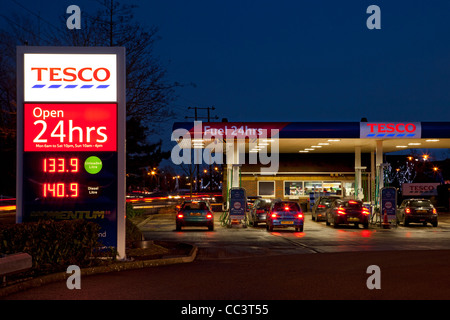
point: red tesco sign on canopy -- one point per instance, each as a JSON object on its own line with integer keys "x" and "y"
{"x": 390, "y": 130}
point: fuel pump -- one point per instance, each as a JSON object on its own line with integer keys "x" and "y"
{"x": 237, "y": 208}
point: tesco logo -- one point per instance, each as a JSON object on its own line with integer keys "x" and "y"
{"x": 71, "y": 74}
{"x": 390, "y": 130}
{"x": 392, "y": 127}
{"x": 70, "y": 77}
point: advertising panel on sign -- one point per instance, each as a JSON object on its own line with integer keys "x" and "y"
{"x": 70, "y": 127}
{"x": 70, "y": 77}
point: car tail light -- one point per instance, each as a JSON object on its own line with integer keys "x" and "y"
{"x": 180, "y": 215}
{"x": 273, "y": 215}
{"x": 260, "y": 211}
{"x": 341, "y": 211}
{"x": 365, "y": 211}
{"x": 321, "y": 206}
{"x": 286, "y": 208}
{"x": 300, "y": 216}
{"x": 407, "y": 210}
{"x": 209, "y": 215}
{"x": 352, "y": 202}
{"x": 434, "y": 211}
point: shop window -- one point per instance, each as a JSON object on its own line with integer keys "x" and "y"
{"x": 349, "y": 189}
{"x": 332, "y": 187}
{"x": 313, "y": 186}
{"x": 293, "y": 188}
{"x": 266, "y": 188}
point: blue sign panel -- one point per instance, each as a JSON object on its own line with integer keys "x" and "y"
{"x": 389, "y": 202}
{"x": 238, "y": 203}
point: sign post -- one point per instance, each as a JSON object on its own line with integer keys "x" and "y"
{"x": 71, "y": 137}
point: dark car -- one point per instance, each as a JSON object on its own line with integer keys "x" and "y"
{"x": 258, "y": 212}
{"x": 320, "y": 207}
{"x": 417, "y": 210}
{"x": 195, "y": 213}
{"x": 251, "y": 201}
{"x": 285, "y": 214}
{"x": 347, "y": 212}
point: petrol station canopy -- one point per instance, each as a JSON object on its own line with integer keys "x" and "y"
{"x": 327, "y": 137}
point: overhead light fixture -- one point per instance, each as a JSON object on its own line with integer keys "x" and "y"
{"x": 303, "y": 151}
{"x": 316, "y": 146}
{"x": 432, "y": 140}
{"x": 310, "y": 149}
{"x": 323, "y": 144}
{"x": 401, "y": 146}
{"x": 414, "y": 144}
{"x": 334, "y": 140}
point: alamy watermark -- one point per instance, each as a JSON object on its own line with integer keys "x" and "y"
{"x": 215, "y": 144}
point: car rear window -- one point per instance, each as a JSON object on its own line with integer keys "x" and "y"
{"x": 264, "y": 204}
{"x": 195, "y": 206}
{"x": 420, "y": 203}
{"x": 353, "y": 204}
{"x": 326, "y": 201}
{"x": 286, "y": 206}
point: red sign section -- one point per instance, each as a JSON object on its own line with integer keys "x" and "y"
{"x": 70, "y": 127}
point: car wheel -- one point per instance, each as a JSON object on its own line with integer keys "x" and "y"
{"x": 405, "y": 222}
{"x": 434, "y": 224}
{"x": 335, "y": 225}
{"x": 211, "y": 228}
{"x": 178, "y": 228}
{"x": 270, "y": 228}
{"x": 255, "y": 224}
{"x": 366, "y": 225}
{"x": 327, "y": 222}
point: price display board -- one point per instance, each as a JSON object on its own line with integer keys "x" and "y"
{"x": 71, "y": 138}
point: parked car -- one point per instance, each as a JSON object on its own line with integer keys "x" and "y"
{"x": 347, "y": 212}
{"x": 285, "y": 214}
{"x": 319, "y": 209}
{"x": 195, "y": 213}
{"x": 417, "y": 210}
{"x": 258, "y": 212}
{"x": 251, "y": 201}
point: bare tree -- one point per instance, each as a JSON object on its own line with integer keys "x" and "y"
{"x": 148, "y": 93}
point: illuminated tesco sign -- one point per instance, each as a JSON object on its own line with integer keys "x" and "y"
{"x": 71, "y": 124}
{"x": 412, "y": 130}
{"x": 70, "y": 77}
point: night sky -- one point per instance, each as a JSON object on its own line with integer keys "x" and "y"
{"x": 297, "y": 60}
